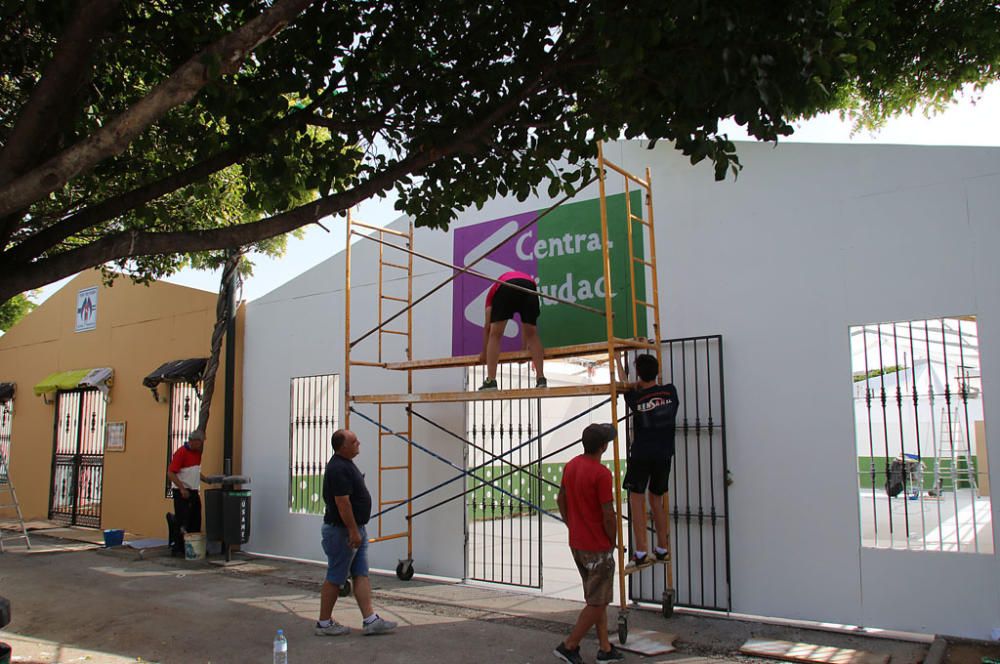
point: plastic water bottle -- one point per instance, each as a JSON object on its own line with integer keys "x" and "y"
{"x": 280, "y": 648}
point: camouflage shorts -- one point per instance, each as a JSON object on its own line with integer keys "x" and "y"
{"x": 597, "y": 569}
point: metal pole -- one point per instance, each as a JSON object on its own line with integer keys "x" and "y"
{"x": 609, "y": 326}
{"x": 347, "y": 326}
{"x": 229, "y": 407}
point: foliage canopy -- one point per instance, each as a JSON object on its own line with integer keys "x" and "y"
{"x": 142, "y": 134}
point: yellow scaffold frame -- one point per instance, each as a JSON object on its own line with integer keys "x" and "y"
{"x": 396, "y": 241}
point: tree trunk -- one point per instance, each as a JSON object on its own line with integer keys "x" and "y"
{"x": 222, "y": 314}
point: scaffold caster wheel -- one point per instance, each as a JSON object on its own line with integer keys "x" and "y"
{"x": 668, "y": 603}
{"x": 345, "y": 589}
{"x": 404, "y": 570}
{"x": 622, "y": 628}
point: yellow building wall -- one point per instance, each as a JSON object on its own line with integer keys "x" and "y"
{"x": 138, "y": 329}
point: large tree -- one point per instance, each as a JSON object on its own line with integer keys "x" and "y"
{"x": 136, "y": 134}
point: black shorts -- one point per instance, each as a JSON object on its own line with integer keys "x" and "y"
{"x": 508, "y": 301}
{"x": 647, "y": 472}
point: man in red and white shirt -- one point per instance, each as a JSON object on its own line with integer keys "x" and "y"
{"x": 511, "y": 294}
{"x": 184, "y": 473}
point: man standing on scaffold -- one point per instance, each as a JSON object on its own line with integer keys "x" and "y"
{"x": 502, "y": 302}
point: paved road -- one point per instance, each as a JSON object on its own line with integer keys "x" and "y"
{"x": 109, "y": 606}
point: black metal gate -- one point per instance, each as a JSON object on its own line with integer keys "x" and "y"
{"x": 78, "y": 458}
{"x": 6, "y": 421}
{"x": 699, "y": 495}
{"x": 503, "y": 529}
{"x": 185, "y": 404}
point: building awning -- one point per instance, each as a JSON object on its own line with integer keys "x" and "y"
{"x": 177, "y": 371}
{"x": 70, "y": 380}
{"x": 6, "y": 391}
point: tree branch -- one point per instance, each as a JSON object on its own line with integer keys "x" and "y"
{"x": 112, "y": 139}
{"x": 16, "y": 278}
{"x": 48, "y": 237}
{"x": 41, "y": 115}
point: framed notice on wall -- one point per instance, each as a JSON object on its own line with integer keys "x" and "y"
{"x": 86, "y": 309}
{"x": 116, "y": 437}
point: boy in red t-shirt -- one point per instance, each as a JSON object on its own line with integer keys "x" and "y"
{"x": 586, "y": 504}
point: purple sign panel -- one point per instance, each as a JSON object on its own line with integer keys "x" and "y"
{"x": 469, "y": 292}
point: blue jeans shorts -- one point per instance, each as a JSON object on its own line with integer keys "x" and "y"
{"x": 341, "y": 560}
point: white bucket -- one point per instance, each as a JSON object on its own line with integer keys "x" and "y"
{"x": 194, "y": 546}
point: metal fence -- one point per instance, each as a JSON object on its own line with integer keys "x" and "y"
{"x": 315, "y": 403}
{"x": 185, "y": 405}
{"x": 78, "y": 458}
{"x": 503, "y": 531}
{"x": 699, "y": 495}
{"x": 920, "y": 436}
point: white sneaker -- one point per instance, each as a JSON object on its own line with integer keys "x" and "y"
{"x": 379, "y": 626}
{"x": 333, "y": 629}
{"x": 635, "y": 564}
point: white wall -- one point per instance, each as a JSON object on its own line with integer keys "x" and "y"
{"x": 298, "y": 330}
{"x": 810, "y": 240}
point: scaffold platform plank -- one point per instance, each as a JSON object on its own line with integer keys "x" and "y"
{"x": 491, "y": 395}
{"x": 578, "y": 350}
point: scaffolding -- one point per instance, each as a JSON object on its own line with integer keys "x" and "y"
{"x": 392, "y": 244}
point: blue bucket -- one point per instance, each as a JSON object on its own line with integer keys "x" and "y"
{"x": 113, "y": 537}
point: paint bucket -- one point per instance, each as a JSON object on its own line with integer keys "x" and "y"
{"x": 194, "y": 546}
{"x": 114, "y": 537}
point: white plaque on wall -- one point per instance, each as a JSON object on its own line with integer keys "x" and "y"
{"x": 115, "y": 441}
{"x": 86, "y": 309}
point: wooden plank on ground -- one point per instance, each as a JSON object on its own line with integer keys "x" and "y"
{"x": 810, "y": 653}
{"x": 649, "y": 643}
{"x": 492, "y": 395}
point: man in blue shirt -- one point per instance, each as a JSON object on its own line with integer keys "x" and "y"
{"x": 345, "y": 542}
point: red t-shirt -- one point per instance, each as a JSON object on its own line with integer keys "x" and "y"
{"x": 506, "y": 276}
{"x": 587, "y": 486}
{"x": 186, "y": 463}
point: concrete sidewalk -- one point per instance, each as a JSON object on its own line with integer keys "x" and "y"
{"x": 111, "y": 606}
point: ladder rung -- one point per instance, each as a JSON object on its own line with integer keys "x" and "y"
{"x": 391, "y": 502}
{"x": 394, "y": 467}
{"x": 405, "y": 334}
{"x": 642, "y": 260}
{"x": 383, "y": 538}
{"x": 380, "y": 229}
{"x": 395, "y": 265}
{"x": 394, "y": 299}
{"x": 639, "y": 219}
{"x": 651, "y": 305}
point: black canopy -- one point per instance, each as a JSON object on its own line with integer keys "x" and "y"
{"x": 176, "y": 371}
{"x": 6, "y": 391}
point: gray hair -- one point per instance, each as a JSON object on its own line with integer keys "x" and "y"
{"x": 197, "y": 434}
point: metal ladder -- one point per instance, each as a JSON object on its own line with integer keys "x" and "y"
{"x": 397, "y": 241}
{"x": 954, "y": 447}
{"x": 7, "y": 493}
